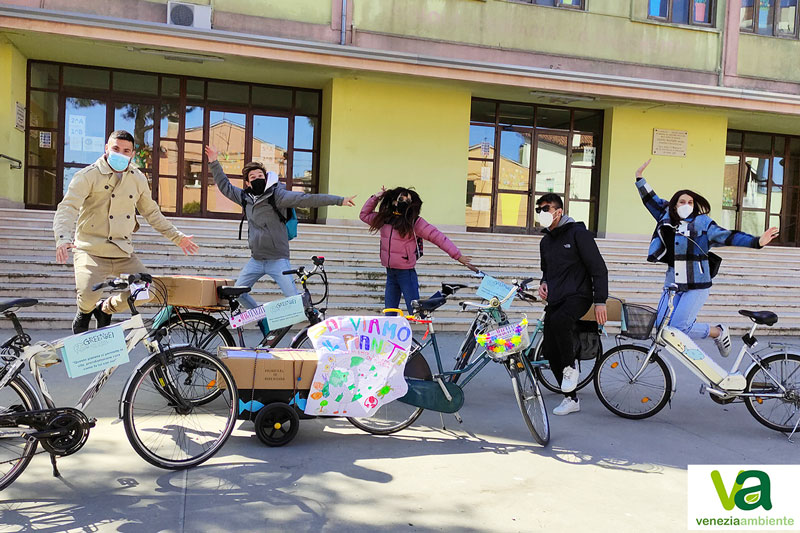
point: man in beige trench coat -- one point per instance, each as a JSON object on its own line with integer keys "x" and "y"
{"x": 104, "y": 197}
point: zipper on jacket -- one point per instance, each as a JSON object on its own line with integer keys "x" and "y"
{"x": 389, "y": 252}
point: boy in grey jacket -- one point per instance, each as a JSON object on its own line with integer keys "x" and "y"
{"x": 266, "y": 233}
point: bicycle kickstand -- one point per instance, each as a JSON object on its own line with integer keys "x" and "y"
{"x": 56, "y": 473}
{"x": 794, "y": 431}
{"x": 449, "y": 399}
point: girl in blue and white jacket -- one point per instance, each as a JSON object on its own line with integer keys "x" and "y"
{"x": 682, "y": 238}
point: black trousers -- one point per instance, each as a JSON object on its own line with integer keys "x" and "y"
{"x": 559, "y": 333}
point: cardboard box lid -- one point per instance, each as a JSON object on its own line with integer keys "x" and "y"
{"x": 613, "y": 309}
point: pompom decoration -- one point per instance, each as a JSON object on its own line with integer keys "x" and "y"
{"x": 508, "y": 339}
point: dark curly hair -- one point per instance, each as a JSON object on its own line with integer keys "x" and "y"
{"x": 401, "y": 220}
{"x": 251, "y": 166}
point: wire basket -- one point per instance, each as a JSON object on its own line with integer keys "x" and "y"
{"x": 638, "y": 321}
{"x": 506, "y": 340}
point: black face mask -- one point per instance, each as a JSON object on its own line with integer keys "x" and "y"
{"x": 402, "y": 206}
{"x": 257, "y": 187}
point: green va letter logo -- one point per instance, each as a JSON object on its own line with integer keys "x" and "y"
{"x": 745, "y": 499}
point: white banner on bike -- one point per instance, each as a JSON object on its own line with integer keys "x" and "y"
{"x": 94, "y": 351}
{"x": 362, "y": 360}
{"x": 279, "y": 314}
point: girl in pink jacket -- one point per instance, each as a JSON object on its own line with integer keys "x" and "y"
{"x": 402, "y": 231}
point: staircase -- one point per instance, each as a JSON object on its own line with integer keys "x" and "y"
{"x": 750, "y": 279}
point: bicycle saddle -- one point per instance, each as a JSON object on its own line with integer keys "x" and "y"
{"x": 451, "y": 288}
{"x": 429, "y": 304}
{"x": 17, "y": 302}
{"x": 228, "y": 292}
{"x": 760, "y": 317}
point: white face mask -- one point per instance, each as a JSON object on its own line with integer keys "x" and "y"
{"x": 545, "y": 219}
{"x": 685, "y": 210}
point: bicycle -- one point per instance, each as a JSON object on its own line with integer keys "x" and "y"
{"x": 167, "y": 420}
{"x": 440, "y": 391}
{"x": 199, "y": 327}
{"x": 635, "y": 382}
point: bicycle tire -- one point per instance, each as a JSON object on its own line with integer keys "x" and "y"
{"x": 464, "y": 357}
{"x": 616, "y": 367}
{"x": 546, "y": 377}
{"x": 192, "y": 328}
{"x": 529, "y": 399}
{"x": 14, "y": 390}
{"x": 758, "y": 380}
{"x": 396, "y": 416}
{"x": 276, "y": 424}
{"x": 151, "y": 430}
{"x": 302, "y": 341}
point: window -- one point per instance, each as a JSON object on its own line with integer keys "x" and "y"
{"x": 769, "y": 17}
{"x": 695, "y": 12}
{"x": 572, "y": 4}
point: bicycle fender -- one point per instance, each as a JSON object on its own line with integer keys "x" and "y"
{"x": 31, "y": 389}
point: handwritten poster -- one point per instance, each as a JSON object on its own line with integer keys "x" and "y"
{"x": 361, "y": 364}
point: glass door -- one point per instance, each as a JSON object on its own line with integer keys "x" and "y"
{"x": 85, "y": 135}
{"x": 513, "y": 180}
{"x": 227, "y": 132}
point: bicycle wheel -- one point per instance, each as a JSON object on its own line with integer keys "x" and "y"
{"x": 174, "y": 434}
{"x": 199, "y": 330}
{"x": 395, "y": 416}
{"x": 529, "y": 399}
{"x": 780, "y": 414}
{"x": 15, "y": 452}
{"x": 545, "y": 376}
{"x": 640, "y": 399}
{"x": 464, "y": 356}
{"x": 302, "y": 341}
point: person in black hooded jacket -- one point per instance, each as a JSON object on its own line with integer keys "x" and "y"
{"x": 574, "y": 276}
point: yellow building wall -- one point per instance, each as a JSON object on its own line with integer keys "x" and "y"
{"x": 12, "y": 141}
{"x": 312, "y": 11}
{"x": 391, "y": 134}
{"x": 629, "y": 142}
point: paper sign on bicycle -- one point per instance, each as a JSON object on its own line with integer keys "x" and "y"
{"x": 94, "y": 351}
{"x": 362, "y": 360}
{"x": 279, "y": 314}
{"x": 491, "y": 287}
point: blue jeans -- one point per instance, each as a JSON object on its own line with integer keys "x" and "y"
{"x": 255, "y": 269}
{"x": 684, "y": 317}
{"x": 401, "y": 280}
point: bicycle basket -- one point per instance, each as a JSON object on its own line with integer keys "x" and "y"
{"x": 506, "y": 340}
{"x": 638, "y": 321}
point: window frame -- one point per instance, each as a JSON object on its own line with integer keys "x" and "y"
{"x": 558, "y": 4}
{"x": 775, "y": 18}
{"x": 712, "y": 15}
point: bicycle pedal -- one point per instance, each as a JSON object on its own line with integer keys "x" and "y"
{"x": 702, "y": 390}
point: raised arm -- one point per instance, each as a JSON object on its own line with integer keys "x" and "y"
{"x": 655, "y": 205}
{"x": 231, "y": 191}
{"x": 368, "y": 213}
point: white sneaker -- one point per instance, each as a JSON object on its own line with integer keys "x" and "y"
{"x": 570, "y": 380}
{"x": 723, "y": 342}
{"x": 568, "y": 406}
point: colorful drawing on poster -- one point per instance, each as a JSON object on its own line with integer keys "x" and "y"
{"x": 366, "y": 357}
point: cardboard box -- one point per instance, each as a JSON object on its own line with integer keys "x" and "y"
{"x": 270, "y": 369}
{"x": 193, "y": 291}
{"x": 613, "y": 309}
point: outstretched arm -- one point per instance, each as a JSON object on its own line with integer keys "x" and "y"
{"x": 655, "y": 205}
{"x": 720, "y": 236}
{"x": 231, "y": 192}
{"x": 286, "y": 199}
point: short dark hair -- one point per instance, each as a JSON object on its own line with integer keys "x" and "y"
{"x": 550, "y": 198}
{"x": 121, "y": 135}
{"x": 251, "y": 166}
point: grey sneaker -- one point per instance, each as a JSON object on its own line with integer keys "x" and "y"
{"x": 723, "y": 342}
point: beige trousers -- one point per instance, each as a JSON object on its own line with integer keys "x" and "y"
{"x": 90, "y": 270}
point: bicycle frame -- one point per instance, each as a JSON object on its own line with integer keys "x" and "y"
{"x": 717, "y": 381}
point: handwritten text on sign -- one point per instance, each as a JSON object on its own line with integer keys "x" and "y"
{"x": 95, "y": 351}
{"x": 491, "y": 287}
{"x": 279, "y": 314}
{"x": 361, "y": 364}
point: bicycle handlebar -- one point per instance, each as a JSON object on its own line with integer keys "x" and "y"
{"x": 124, "y": 281}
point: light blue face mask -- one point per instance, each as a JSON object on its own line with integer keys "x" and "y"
{"x": 117, "y": 161}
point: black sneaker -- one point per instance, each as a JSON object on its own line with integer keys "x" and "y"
{"x": 103, "y": 319}
{"x": 81, "y": 322}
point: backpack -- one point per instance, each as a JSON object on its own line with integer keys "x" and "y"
{"x": 290, "y": 220}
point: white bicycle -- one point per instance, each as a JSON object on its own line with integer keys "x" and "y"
{"x": 634, "y": 381}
